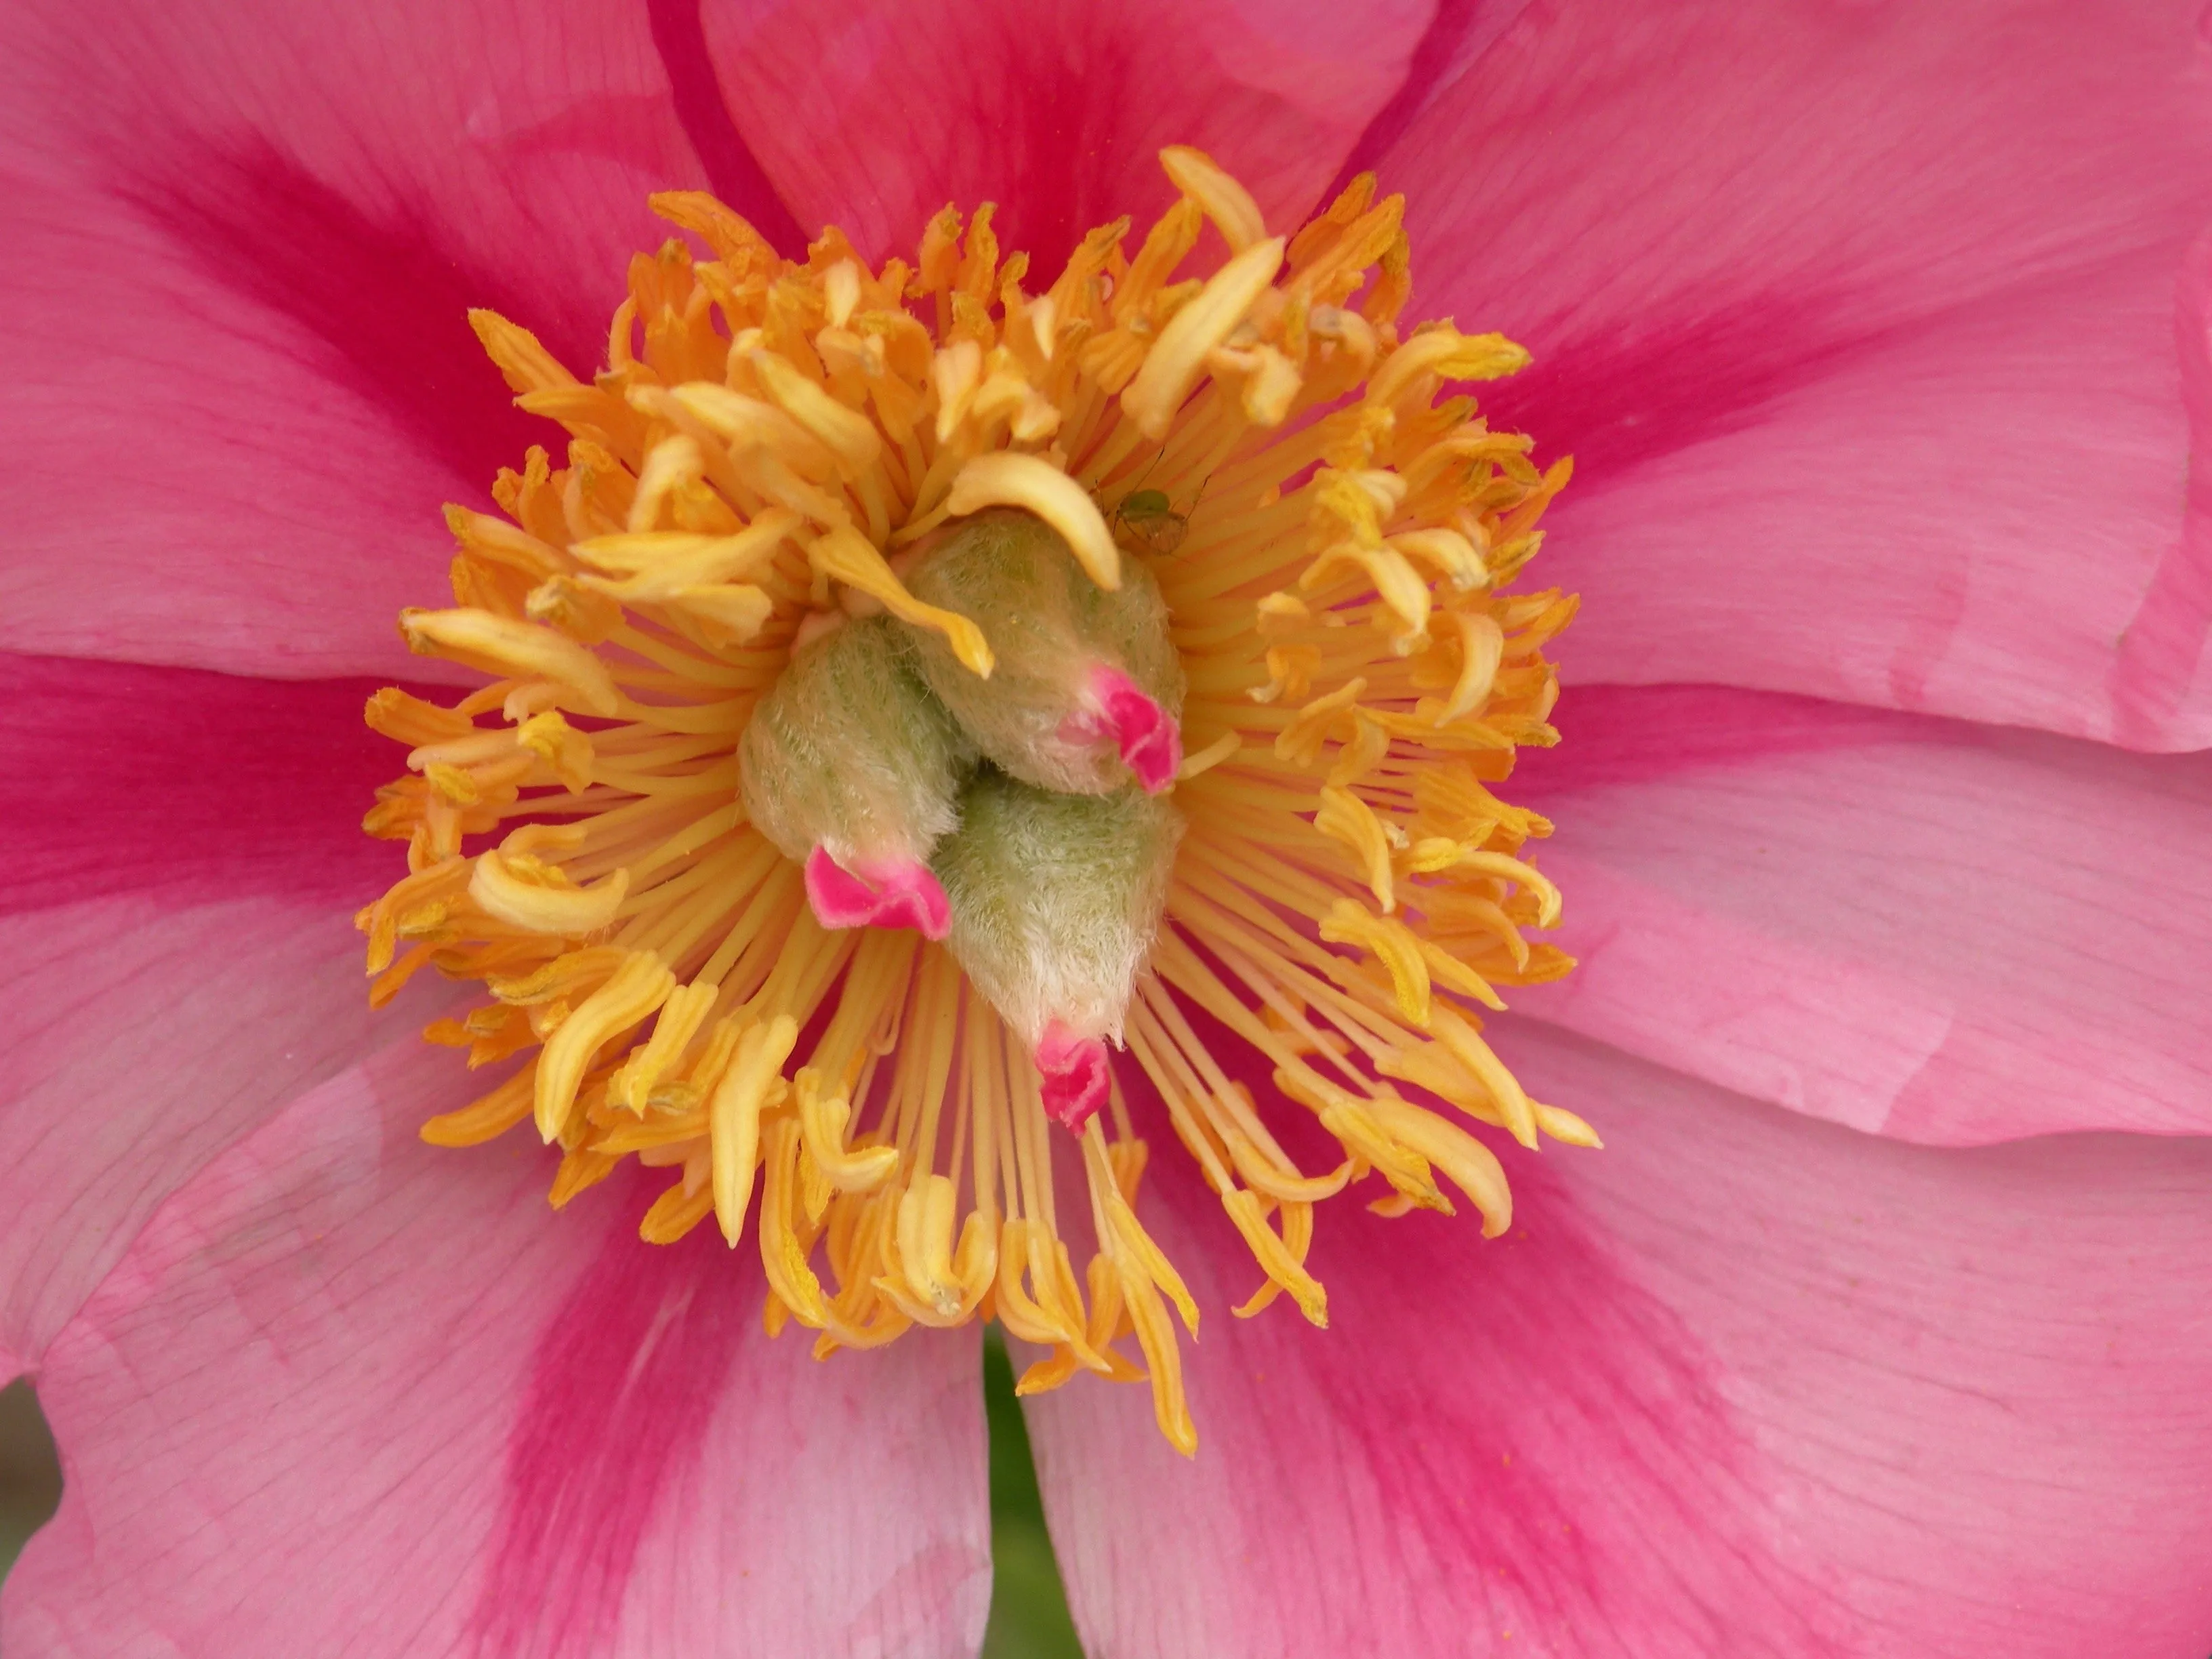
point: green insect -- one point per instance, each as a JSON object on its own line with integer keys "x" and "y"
{"x": 1146, "y": 521}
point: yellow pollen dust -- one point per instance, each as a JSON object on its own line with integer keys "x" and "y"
{"x": 766, "y": 438}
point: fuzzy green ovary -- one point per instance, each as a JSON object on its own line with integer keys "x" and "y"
{"x": 849, "y": 751}
{"x": 1049, "y": 626}
{"x": 1055, "y": 898}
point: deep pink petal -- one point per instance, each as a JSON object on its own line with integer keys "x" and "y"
{"x": 241, "y": 242}
{"x": 122, "y": 778}
{"x": 146, "y": 1032}
{"x": 1741, "y": 1384}
{"x": 1819, "y": 329}
{"x": 1939, "y": 931}
{"x": 349, "y": 1393}
{"x": 873, "y": 116}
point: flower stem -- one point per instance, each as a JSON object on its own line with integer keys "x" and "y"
{"x": 1029, "y": 1607}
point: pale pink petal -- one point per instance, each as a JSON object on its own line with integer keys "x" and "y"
{"x": 177, "y": 956}
{"x": 1868, "y": 346}
{"x": 873, "y": 116}
{"x": 1938, "y": 932}
{"x": 144, "y": 1033}
{"x": 1741, "y": 1384}
{"x": 1887, "y": 532}
{"x": 351, "y": 1395}
{"x": 240, "y": 243}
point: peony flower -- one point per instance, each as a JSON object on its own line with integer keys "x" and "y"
{"x": 1878, "y": 336}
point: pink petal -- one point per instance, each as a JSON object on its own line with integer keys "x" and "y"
{"x": 351, "y": 1394}
{"x": 1817, "y": 329}
{"x": 1938, "y": 932}
{"x": 122, "y": 777}
{"x": 1741, "y": 1383}
{"x": 241, "y": 242}
{"x": 1055, "y": 111}
{"x": 145, "y": 1033}
{"x": 1888, "y": 540}
{"x": 184, "y": 858}
{"x": 889, "y": 895}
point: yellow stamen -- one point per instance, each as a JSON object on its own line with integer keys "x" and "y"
{"x": 768, "y": 441}
{"x": 540, "y": 899}
{"x": 1005, "y": 478}
{"x": 1174, "y": 365}
{"x": 522, "y": 650}
{"x": 1222, "y": 199}
{"x": 733, "y": 1119}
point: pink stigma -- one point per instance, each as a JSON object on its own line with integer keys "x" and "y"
{"x": 1072, "y": 1070}
{"x": 1150, "y": 742}
{"x": 890, "y": 893}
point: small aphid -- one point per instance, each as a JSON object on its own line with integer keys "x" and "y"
{"x": 1145, "y": 522}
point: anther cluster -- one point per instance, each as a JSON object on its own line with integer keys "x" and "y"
{"x": 939, "y": 720}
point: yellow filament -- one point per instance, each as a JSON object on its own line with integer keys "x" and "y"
{"x": 766, "y": 438}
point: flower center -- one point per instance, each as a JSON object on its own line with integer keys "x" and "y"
{"x": 914, "y": 690}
